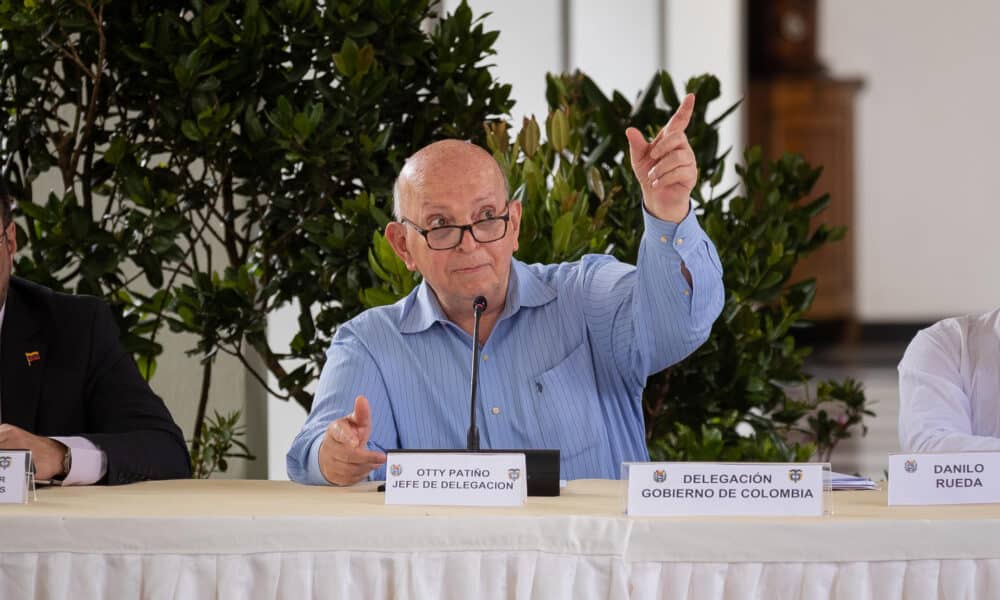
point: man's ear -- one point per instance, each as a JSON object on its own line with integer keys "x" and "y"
{"x": 11, "y": 240}
{"x": 514, "y": 209}
{"x": 395, "y": 234}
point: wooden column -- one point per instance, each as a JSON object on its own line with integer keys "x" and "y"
{"x": 814, "y": 116}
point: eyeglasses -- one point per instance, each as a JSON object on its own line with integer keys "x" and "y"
{"x": 447, "y": 237}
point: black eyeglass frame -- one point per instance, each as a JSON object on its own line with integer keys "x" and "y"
{"x": 462, "y": 228}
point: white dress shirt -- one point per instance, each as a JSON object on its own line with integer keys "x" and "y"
{"x": 949, "y": 386}
{"x": 89, "y": 462}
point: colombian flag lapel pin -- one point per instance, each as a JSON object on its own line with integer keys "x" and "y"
{"x": 32, "y": 357}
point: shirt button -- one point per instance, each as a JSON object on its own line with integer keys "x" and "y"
{"x": 680, "y": 241}
{"x": 495, "y": 410}
{"x": 486, "y": 357}
{"x": 687, "y": 293}
{"x": 664, "y": 239}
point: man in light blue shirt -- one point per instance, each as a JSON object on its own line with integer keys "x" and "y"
{"x": 566, "y": 348}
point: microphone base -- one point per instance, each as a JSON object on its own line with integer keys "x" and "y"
{"x": 542, "y": 466}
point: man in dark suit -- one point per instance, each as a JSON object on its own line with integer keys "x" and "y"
{"x": 68, "y": 390}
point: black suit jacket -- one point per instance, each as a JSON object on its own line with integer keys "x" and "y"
{"x": 81, "y": 382}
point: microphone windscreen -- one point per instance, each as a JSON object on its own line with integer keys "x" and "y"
{"x": 479, "y": 303}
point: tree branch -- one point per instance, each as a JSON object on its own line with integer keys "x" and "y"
{"x": 238, "y": 353}
{"x": 199, "y": 422}
{"x": 228, "y": 219}
{"x": 97, "y": 77}
{"x": 275, "y": 367}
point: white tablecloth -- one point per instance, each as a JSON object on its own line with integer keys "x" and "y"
{"x": 258, "y": 539}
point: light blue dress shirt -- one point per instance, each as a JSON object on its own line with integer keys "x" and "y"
{"x": 564, "y": 366}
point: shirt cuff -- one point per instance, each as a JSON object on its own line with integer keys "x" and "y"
{"x": 682, "y": 237}
{"x": 312, "y": 465}
{"x": 89, "y": 462}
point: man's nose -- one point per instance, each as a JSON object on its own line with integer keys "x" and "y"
{"x": 468, "y": 243}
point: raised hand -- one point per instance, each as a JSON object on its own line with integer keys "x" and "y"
{"x": 344, "y": 458}
{"x": 665, "y": 166}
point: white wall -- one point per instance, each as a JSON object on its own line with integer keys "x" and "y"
{"x": 619, "y": 49}
{"x": 928, "y": 206}
{"x": 529, "y": 46}
{"x": 284, "y": 418}
{"x": 619, "y": 45}
{"x": 178, "y": 381}
{"x": 707, "y": 37}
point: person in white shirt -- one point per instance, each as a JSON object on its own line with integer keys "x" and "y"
{"x": 949, "y": 386}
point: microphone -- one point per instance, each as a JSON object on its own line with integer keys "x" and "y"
{"x": 541, "y": 465}
{"x": 472, "y": 438}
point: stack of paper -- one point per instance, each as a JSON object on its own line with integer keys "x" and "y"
{"x": 841, "y": 481}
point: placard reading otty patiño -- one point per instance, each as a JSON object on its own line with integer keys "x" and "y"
{"x": 459, "y": 479}
{"x": 736, "y": 489}
{"x": 944, "y": 478}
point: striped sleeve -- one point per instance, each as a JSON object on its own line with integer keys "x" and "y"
{"x": 349, "y": 371}
{"x": 649, "y": 317}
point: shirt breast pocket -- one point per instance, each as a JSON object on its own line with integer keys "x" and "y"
{"x": 567, "y": 408}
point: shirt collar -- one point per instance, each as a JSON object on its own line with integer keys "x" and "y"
{"x": 421, "y": 309}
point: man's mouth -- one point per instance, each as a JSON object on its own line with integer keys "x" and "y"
{"x": 471, "y": 269}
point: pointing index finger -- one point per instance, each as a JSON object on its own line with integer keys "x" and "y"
{"x": 679, "y": 121}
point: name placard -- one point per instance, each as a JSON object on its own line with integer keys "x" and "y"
{"x": 14, "y": 476}
{"x": 944, "y": 478}
{"x": 718, "y": 489}
{"x": 455, "y": 479}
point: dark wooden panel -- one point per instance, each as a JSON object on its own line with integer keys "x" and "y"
{"x": 815, "y": 117}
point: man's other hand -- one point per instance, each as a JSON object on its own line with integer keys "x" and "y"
{"x": 344, "y": 458}
{"x": 46, "y": 453}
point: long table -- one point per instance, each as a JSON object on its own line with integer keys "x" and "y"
{"x": 264, "y": 539}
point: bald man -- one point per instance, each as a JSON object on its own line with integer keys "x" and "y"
{"x": 566, "y": 348}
